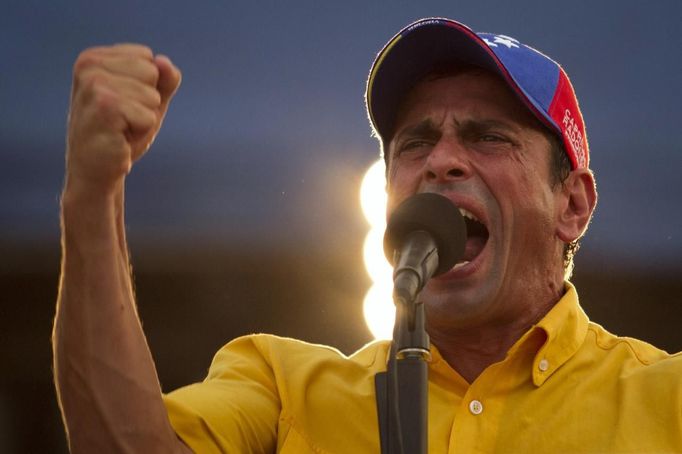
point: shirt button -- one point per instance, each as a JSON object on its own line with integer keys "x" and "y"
{"x": 475, "y": 407}
{"x": 543, "y": 365}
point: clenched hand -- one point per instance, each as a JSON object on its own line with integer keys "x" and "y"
{"x": 119, "y": 98}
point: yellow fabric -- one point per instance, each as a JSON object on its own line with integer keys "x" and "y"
{"x": 567, "y": 386}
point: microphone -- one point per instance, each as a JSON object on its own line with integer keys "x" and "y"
{"x": 425, "y": 237}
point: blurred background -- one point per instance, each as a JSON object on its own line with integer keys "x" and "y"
{"x": 245, "y": 216}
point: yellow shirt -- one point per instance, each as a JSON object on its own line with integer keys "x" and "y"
{"x": 567, "y": 386}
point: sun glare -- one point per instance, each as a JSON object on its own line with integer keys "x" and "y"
{"x": 378, "y": 305}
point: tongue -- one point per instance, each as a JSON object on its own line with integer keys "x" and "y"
{"x": 473, "y": 247}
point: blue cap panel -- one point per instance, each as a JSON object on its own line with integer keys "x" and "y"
{"x": 535, "y": 73}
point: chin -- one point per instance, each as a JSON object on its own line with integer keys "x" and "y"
{"x": 456, "y": 307}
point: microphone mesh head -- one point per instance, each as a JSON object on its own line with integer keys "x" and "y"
{"x": 434, "y": 214}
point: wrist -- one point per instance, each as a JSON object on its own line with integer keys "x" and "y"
{"x": 91, "y": 208}
{"x": 86, "y": 192}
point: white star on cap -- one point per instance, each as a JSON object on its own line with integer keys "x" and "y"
{"x": 489, "y": 43}
{"x": 502, "y": 39}
{"x": 506, "y": 40}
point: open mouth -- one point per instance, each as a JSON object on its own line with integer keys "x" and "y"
{"x": 477, "y": 237}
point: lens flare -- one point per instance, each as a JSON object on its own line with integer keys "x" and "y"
{"x": 376, "y": 264}
{"x": 373, "y": 194}
{"x": 379, "y": 311}
{"x": 378, "y": 306}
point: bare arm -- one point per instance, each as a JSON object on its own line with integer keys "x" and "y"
{"x": 106, "y": 381}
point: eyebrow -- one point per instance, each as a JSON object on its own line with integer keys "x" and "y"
{"x": 425, "y": 128}
{"x": 484, "y": 125}
{"x": 490, "y": 123}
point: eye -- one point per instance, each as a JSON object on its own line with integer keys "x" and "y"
{"x": 416, "y": 143}
{"x": 491, "y": 142}
{"x": 413, "y": 146}
{"x": 492, "y": 138}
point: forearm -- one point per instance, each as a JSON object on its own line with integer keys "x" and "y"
{"x": 105, "y": 376}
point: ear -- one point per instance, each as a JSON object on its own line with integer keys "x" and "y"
{"x": 575, "y": 205}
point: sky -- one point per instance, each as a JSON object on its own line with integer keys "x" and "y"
{"x": 268, "y": 138}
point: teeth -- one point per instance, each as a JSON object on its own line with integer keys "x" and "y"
{"x": 468, "y": 215}
{"x": 460, "y": 264}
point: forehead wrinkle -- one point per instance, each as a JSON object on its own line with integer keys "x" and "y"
{"x": 484, "y": 124}
{"x": 428, "y": 128}
{"x": 425, "y": 127}
{"x": 503, "y": 98}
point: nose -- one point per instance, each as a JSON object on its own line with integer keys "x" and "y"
{"x": 447, "y": 161}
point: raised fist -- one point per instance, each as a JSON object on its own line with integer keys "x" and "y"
{"x": 119, "y": 97}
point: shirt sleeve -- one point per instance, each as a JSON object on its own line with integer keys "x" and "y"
{"x": 235, "y": 409}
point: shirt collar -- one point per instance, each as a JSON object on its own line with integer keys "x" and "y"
{"x": 559, "y": 334}
{"x": 565, "y": 327}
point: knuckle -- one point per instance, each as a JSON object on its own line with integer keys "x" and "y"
{"x": 91, "y": 84}
{"x": 85, "y": 60}
{"x": 135, "y": 48}
{"x": 91, "y": 79}
{"x": 145, "y": 51}
{"x": 97, "y": 98}
{"x": 151, "y": 73}
{"x": 147, "y": 119}
{"x": 102, "y": 99}
{"x": 154, "y": 97}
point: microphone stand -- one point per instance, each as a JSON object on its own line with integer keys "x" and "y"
{"x": 407, "y": 386}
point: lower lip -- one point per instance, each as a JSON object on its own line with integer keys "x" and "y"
{"x": 462, "y": 271}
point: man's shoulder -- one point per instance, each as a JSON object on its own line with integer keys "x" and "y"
{"x": 633, "y": 352}
{"x": 278, "y": 349}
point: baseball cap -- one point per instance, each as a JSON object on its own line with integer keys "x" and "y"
{"x": 427, "y": 44}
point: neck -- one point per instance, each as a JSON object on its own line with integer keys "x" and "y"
{"x": 471, "y": 349}
{"x": 470, "y": 353}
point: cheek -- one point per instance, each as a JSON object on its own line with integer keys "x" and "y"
{"x": 401, "y": 182}
{"x": 524, "y": 198}
{"x": 395, "y": 196}
{"x": 533, "y": 210}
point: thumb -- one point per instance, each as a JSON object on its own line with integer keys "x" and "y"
{"x": 169, "y": 80}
